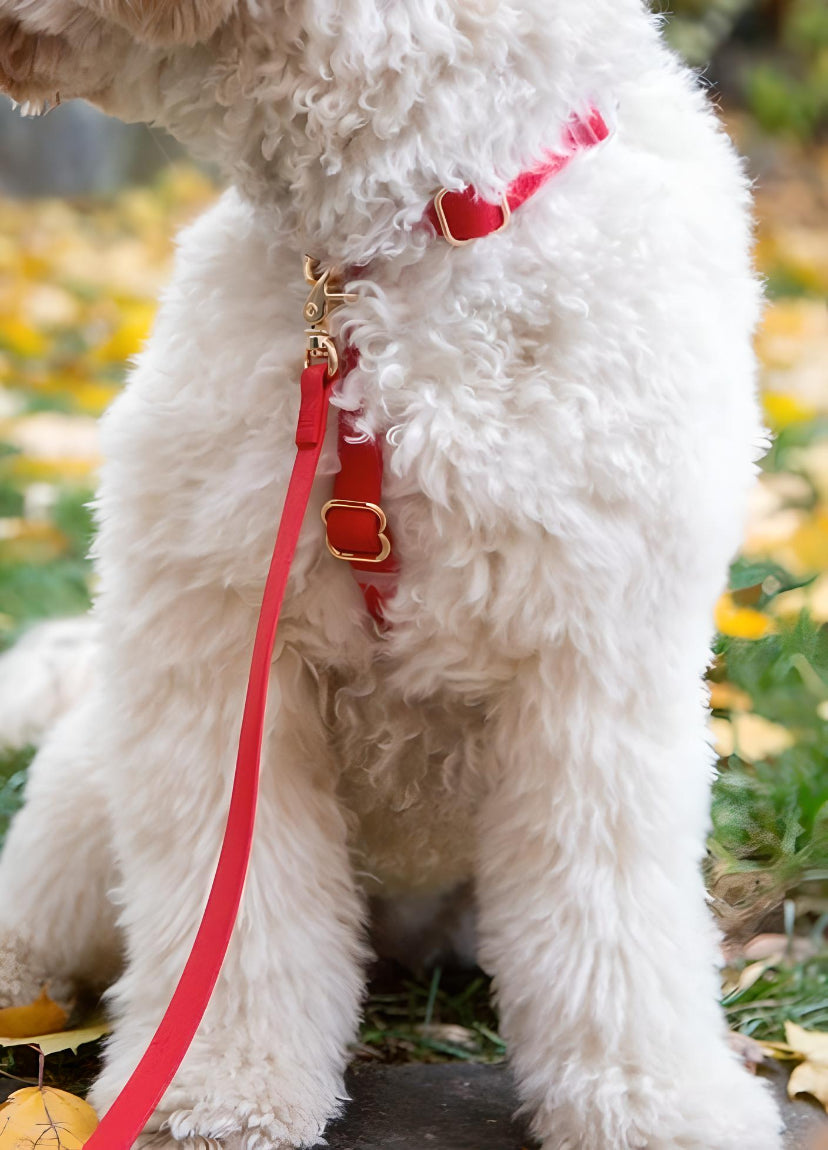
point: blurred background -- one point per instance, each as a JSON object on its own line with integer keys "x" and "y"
{"x": 88, "y": 209}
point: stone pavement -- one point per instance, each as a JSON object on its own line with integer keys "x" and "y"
{"x": 466, "y": 1107}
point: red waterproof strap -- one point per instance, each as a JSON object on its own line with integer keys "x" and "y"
{"x": 354, "y": 519}
{"x": 462, "y": 216}
{"x": 133, "y": 1107}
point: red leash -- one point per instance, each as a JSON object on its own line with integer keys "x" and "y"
{"x": 357, "y": 532}
{"x": 134, "y": 1106}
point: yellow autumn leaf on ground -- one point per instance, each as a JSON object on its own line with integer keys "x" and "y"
{"x": 27, "y": 470}
{"x": 728, "y": 697}
{"x": 21, "y": 338}
{"x": 94, "y": 397}
{"x": 42, "y": 1118}
{"x": 782, "y": 410}
{"x": 750, "y": 737}
{"x": 808, "y": 546}
{"x": 812, "y": 461}
{"x": 741, "y": 622}
{"x": 791, "y": 325}
{"x": 811, "y": 1076}
{"x": 130, "y": 335}
{"x": 62, "y": 1039}
{"x": 42, "y": 1016}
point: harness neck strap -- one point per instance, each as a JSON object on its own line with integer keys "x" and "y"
{"x": 461, "y": 217}
{"x": 356, "y": 526}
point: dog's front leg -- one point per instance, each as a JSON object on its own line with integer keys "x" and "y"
{"x": 593, "y": 913}
{"x": 265, "y": 1070}
{"x": 57, "y": 921}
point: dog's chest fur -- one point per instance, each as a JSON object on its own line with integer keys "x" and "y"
{"x": 533, "y": 392}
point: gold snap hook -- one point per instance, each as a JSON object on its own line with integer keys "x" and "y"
{"x": 323, "y": 297}
{"x": 316, "y": 307}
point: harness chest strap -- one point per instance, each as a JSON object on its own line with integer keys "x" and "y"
{"x": 356, "y": 526}
{"x": 461, "y": 216}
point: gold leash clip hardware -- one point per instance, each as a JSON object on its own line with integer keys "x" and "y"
{"x": 321, "y": 301}
{"x": 325, "y": 293}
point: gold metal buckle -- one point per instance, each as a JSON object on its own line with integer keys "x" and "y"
{"x": 359, "y": 505}
{"x": 444, "y": 224}
{"x": 324, "y": 296}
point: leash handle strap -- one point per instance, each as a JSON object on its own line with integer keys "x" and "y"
{"x": 133, "y": 1107}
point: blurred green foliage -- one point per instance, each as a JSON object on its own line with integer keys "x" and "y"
{"x": 774, "y": 53}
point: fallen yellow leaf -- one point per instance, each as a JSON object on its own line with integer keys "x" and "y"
{"x": 61, "y": 1040}
{"x": 42, "y": 1118}
{"x": 812, "y": 461}
{"x": 21, "y": 338}
{"x": 728, "y": 697}
{"x": 782, "y": 410}
{"x": 38, "y": 1017}
{"x": 741, "y": 622}
{"x": 94, "y": 397}
{"x": 811, "y": 1076}
{"x": 128, "y": 338}
{"x": 780, "y": 1051}
{"x": 750, "y": 737}
{"x": 790, "y": 326}
{"x": 809, "y": 544}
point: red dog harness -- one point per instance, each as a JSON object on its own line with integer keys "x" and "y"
{"x": 357, "y": 534}
{"x": 355, "y": 523}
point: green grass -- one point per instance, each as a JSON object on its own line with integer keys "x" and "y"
{"x": 771, "y": 816}
{"x": 13, "y": 766}
{"x": 794, "y": 992}
{"x": 434, "y": 1018}
{"x": 32, "y": 588}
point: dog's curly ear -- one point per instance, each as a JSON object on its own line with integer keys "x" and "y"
{"x": 21, "y": 54}
{"x": 164, "y": 23}
{"x": 62, "y": 49}
{"x": 39, "y": 65}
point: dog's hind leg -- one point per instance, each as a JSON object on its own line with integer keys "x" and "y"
{"x": 593, "y": 912}
{"x": 266, "y": 1068}
{"x": 57, "y": 923}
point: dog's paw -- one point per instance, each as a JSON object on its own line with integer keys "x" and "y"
{"x": 236, "y": 1127}
{"x": 163, "y": 1140}
{"x": 733, "y": 1111}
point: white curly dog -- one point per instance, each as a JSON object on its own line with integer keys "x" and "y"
{"x": 568, "y": 416}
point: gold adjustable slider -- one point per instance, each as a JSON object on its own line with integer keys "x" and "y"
{"x": 382, "y": 538}
{"x": 445, "y": 227}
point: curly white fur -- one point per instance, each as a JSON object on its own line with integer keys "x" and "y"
{"x": 571, "y": 429}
